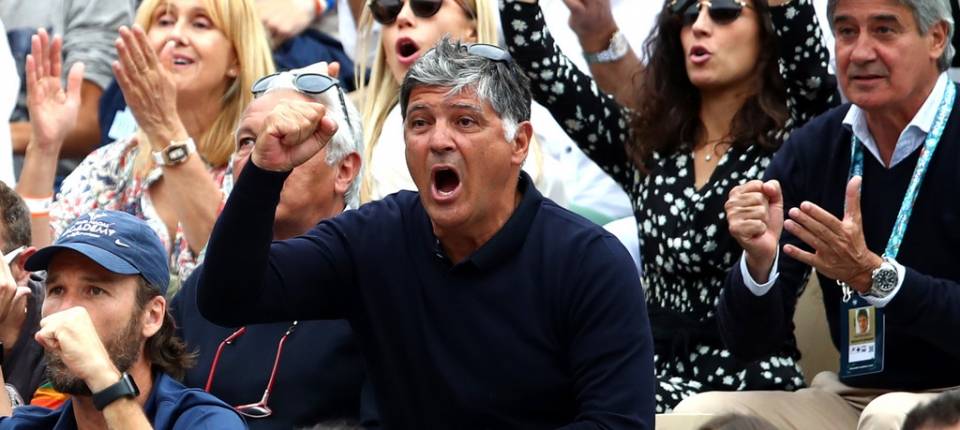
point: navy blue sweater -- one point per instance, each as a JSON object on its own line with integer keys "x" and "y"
{"x": 542, "y": 327}
{"x": 923, "y": 319}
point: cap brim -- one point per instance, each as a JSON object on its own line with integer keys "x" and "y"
{"x": 106, "y": 259}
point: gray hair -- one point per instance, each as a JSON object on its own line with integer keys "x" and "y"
{"x": 346, "y": 140}
{"x": 926, "y": 13}
{"x": 500, "y": 83}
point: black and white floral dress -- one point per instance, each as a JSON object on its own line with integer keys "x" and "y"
{"x": 686, "y": 247}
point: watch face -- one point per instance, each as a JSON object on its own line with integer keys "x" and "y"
{"x": 885, "y": 279}
{"x": 177, "y": 153}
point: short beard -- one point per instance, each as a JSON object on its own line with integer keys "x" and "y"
{"x": 124, "y": 350}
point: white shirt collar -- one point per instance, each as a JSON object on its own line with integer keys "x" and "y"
{"x": 912, "y": 137}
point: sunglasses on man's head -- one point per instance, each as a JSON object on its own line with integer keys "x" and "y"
{"x": 721, "y": 11}
{"x": 386, "y": 11}
{"x": 307, "y": 83}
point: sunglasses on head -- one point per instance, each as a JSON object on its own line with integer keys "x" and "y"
{"x": 386, "y": 11}
{"x": 721, "y": 11}
{"x": 307, "y": 83}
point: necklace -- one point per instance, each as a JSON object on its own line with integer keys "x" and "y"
{"x": 713, "y": 150}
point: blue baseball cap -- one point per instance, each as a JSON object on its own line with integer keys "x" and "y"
{"x": 117, "y": 241}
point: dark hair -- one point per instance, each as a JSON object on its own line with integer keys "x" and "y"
{"x": 944, "y": 410}
{"x": 863, "y": 313}
{"x": 16, "y": 219}
{"x": 737, "y": 422}
{"x": 164, "y": 349}
{"x": 668, "y": 118}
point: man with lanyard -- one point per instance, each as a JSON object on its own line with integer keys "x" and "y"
{"x": 868, "y": 192}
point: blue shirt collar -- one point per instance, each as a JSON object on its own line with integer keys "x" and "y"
{"x": 911, "y": 137}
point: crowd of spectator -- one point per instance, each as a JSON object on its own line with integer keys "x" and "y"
{"x": 347, "y": 214}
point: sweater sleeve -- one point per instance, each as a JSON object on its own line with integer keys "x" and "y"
{"x": 756, "y": 326}
{"x": 611, "y": 348}
{"x": 804, "y": 59}
{"x": 248, "y": 280}
{"x": 927, "y": 307}
{"x": 594, "y": 120}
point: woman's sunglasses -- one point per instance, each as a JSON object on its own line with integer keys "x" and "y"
{"x": 721, "y": 12}
{"x": 386, "y": 11}
{"x": 307, "y": 83}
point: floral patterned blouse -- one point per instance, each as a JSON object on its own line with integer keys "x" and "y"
{"x": 105, "y": 180}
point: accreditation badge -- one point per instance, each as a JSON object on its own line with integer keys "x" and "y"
{"x": 861, "y": 338}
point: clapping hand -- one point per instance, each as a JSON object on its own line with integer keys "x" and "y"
{"x": 840, "y": 251}
{"x": 148, "y": 86}
{"x": 53, "y": 110}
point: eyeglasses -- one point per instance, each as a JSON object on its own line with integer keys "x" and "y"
{"x": 307, "y": 83}
{"x": 721, "y": 12}
{"x": 386, "y": 11}
{"x": 12, "y": 255}
{"x": 259, "y": 409}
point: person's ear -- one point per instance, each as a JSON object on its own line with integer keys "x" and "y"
{"x": 347, "y": 172}
{"x": 521, "y": 142}
{"x": 20, "y": 273}
{"x": 938, "y": 34}
{"x": 153, "y": 314}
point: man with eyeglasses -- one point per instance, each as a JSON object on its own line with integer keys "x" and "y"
{"x": 477, "y": 302}
{"x": 291, "y": 373}
{"x": 21, "y": 295}
{"x": 108, "y": 337}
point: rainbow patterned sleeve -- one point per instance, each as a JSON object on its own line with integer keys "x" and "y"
{"x": 46, "y": 396}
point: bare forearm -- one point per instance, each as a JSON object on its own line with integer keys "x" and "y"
{"x": 196, "y": 199}
{"x": 36, "y": 181}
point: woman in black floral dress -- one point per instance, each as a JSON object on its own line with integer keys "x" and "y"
{"x": 720, "y": 93}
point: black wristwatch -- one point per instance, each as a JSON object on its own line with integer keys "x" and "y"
{"x": 126, "y": 387}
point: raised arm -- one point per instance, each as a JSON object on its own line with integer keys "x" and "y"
{"x": 593, "y": 23}
{"x": 811, "y": 89}
{"x": 247, "y": 280}
{"x": 53, "y": 113}
{"x": 150, "y": 91}
{"x": 592, "y": 119}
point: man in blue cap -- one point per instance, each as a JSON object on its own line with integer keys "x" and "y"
{"x": 109, "y": 340}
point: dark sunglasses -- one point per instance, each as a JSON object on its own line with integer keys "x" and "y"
{"x": 308, "y": 83}
{"x": 386, "y": 11}
{"x": 721, "y": 12}
{"x": 259, "y": 409}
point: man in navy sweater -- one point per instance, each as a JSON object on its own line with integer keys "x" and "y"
{"x": 477, "y": 302}
{"x": 869, "y": 192}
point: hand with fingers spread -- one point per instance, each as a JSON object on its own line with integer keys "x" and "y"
{"x": 148, "y": 86}
{"x": 755, "y": 217}
{"x": 294, "y": 131}
{"x": 840, "y": 251}
{"x": 71, "y": 336}
{"x": 53, "y": 109}
{"x": 593, "y": 22}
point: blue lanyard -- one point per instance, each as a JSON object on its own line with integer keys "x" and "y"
{"x": 926, "y": 153}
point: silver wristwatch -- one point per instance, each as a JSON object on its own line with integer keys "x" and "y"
{"x": 617, "y": 48}
{"x": 885, "y": 279}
